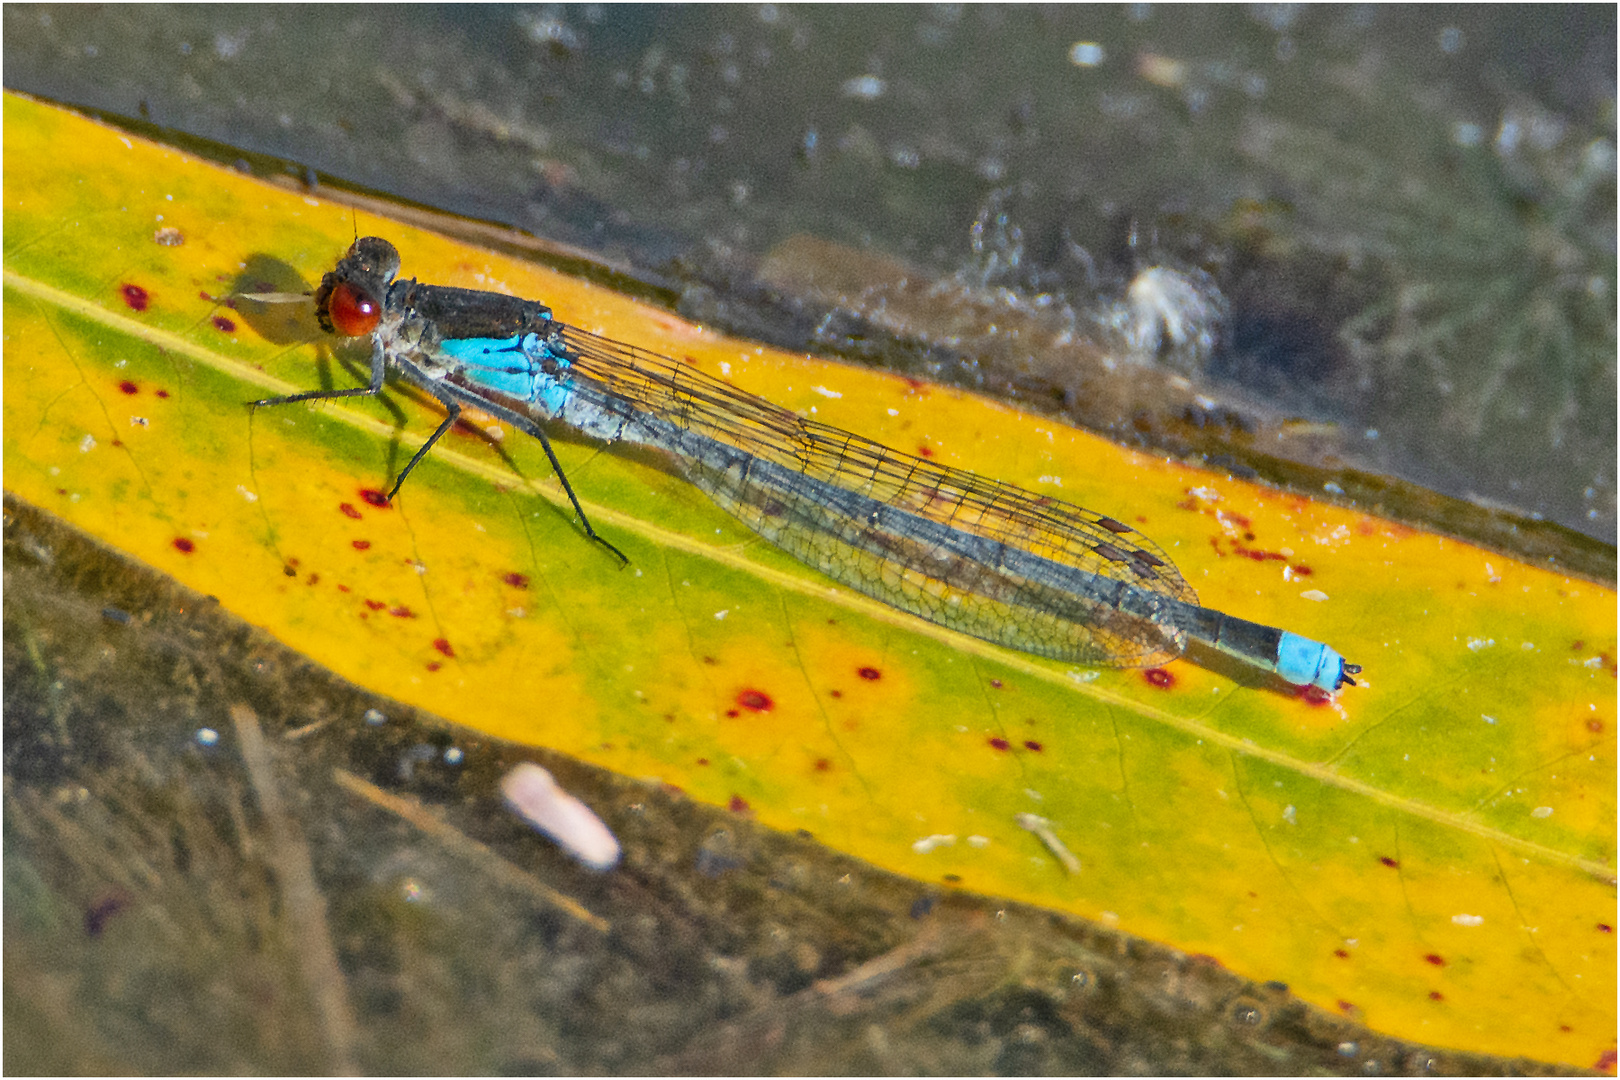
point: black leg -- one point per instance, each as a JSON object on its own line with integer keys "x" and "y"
{"x": 450, "y": 396}
{"x": 449, "y": 393}
{"x": 452, "y": 413}
{"x": 379, "y": 367}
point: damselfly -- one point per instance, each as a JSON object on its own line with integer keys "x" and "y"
{"x": 976, "y": 555}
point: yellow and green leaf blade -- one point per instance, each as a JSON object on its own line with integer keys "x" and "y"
{"x": 1387, "y": 854}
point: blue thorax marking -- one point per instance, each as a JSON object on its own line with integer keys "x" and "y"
{"x": 512, "y": 366}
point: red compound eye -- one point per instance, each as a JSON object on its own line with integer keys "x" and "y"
{"x": 353, "y": 313}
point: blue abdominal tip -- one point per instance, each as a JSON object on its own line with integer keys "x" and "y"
{"x": 1304, "y": 662}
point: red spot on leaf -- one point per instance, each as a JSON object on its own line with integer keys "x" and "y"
{"x": 349, "y": 510}
{"x": 1605, "y": 1062}
{"x": 374, "y": 497}
{"x": 1605, "y": 928}
{"x": 1435, "y": 995}
{"x": 375, "y": 605}
{"x": 1301, "y": 570}
{"x": 1578, "y": 646}
{"x": 1314, "y": 695}
{"x": 703, "y": 761}
{"x": 224, "y": 325}
{"x": 755, "y": 701}
{"x": 1258, "y": 555}
{"x": 738, "y": 805}
{"x": 402, "y": 612}
{"x": 443, "y": 646}
{"x": 1159, "y": 677}
{"x": 136, "y": 297}
{"x": 870, "y": 674}
{"x": 128, "y": 387}
{"x": 995, "y": 684}
{"x": 924, "y": 451}
{"x": 1393, "y": 864}
{"x": 822, "y": 765}
{"x": 1594, "y": 725}
{"x": 1346, "y": 1006}
{"x": 999, "y": 743}
{"x": 162, "y": 393}
{"x": 181, "y": 544}
{"x": 835, "y": 693}
{"x": 313, "y": 579}
{"x": 1031, "y": 744}
{"x": 434, "y": 665}
{"x": 361, "y": 545}
{"x": 1342, "y": 954}
{"x": 517, "y": 581}
{"x": 1436, "y": 959}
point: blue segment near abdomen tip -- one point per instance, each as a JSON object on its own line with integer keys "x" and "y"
{"x": 1304, "y": 662}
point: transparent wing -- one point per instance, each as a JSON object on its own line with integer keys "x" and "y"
{"x": 980, "y": 556}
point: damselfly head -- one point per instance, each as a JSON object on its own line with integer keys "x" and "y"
{"x": 350, "y": 299}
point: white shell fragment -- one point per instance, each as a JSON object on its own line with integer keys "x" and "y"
{"x": 1043, "y": 830}
{"x": 531, "y": 791}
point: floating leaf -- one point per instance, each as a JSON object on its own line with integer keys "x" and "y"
{"x": 1432, "y": 852}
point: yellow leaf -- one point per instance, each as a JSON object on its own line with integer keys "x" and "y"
{"x": 1433, "y": 852}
